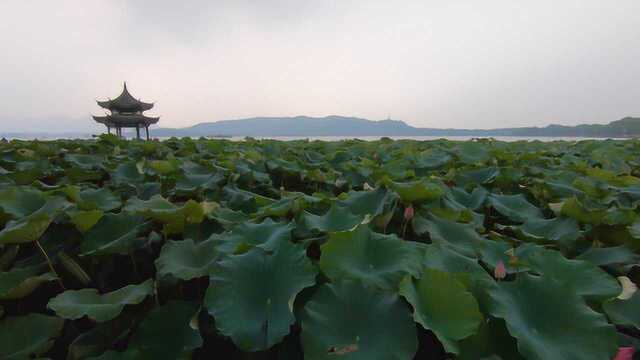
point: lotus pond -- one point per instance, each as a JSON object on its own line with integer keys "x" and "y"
{"x": 114, "y": 249}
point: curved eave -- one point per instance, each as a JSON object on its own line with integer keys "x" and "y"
{"x": 126, "y": 120}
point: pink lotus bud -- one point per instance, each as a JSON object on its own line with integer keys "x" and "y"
{"x": 408, "y": 212}
{"x": 624, "y": 353}
{"x": 500, "y": 272}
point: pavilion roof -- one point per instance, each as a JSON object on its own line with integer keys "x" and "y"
{"x": 125, "y": 102}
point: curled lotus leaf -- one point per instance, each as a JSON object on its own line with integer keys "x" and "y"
{"x": 165, "y": 333}
{"x": 443, "y": 305}
{"x": 267, "y": 235}
{"x": 31, "y": 227}
{"x": 462, "y": 238}
{"x": 251, "y": 295}
{"x": 74, "y": 304}
{"x": 624, "y": 312}
{"x": 186, "y": 260}
{"x": 516, "y": 208}
{"x": 84, "y": 220}
{"x": 375, "y": 259}
{"x": 338, "y": 218}
{"x": 561, "y": 230}
{"x": 21, "y": 201}
{"x": 586, "y": 279}
{"x": 359, "y": 322}
{"x": 371, "y": 203}
{"x": 29, "y": 336}
{"x": 416, "y": 191}
{"x": 114, "y": 234}
{"x": 550, "y": 320}
{"x": 602, "y": 256}
{"x": 20, "y": 282}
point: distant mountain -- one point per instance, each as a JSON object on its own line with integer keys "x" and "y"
{"x": 351, "y": 126}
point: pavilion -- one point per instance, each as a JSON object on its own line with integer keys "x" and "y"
{"x": 126, "y": 112}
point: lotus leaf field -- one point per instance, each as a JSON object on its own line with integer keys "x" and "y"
{"x": 262, "y": 249}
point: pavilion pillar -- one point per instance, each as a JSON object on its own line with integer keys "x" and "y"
{"x": 138, "y": 131}
{"x": 147, "y": 130}
{"x": 109, "y": 129}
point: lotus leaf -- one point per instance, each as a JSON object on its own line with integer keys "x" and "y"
{"x": 186, "y": 260}
{"x": 375, "y": 259}
{"x": 74, "y": 304}
{"x": 359, "y": 322}
{"x": 549, "y": 319}
{"x": 29, "y": 336}
{"x": 251, "y": 295}
{"x": 443, "y": 305}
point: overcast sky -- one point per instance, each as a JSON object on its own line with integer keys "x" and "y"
{"x": 463, "y": 64}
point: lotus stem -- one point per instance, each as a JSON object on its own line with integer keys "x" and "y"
{"x": 53, "y": 270}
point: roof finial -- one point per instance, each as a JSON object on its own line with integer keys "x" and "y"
{"x": 125, "y": 85}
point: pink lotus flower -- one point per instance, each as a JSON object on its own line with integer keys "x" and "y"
{"x": 624, "y": 353}
{"x": 409, "y": 212}
{"x": 501, "y": 271}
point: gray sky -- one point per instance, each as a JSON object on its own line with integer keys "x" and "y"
{"x": 463, "y": 64}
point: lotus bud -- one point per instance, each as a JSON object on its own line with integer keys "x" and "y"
{"x": 624, "y": 353}
{"x": 501, "y": 271}
{"x": 409, "y": 212}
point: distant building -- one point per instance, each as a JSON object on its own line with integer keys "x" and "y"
{"x": 126, "y": 112}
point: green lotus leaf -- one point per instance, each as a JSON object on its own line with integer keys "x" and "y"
{"x": 20, "y": 282}
{"x": 186, "y": 260}
{"x": 101, "y": 337}
{"x": 127, "y": 173}
{"x": 31, "y": 227}
{"x": 166, "y": 333}
{"x": 624, "y": 312}
{"x": 585, "y": 278}
{"x": 375, "y": 259}
{"x": 29, "y": 336}
{"x": 481, "y": 176}
{"x": 227, "y": 218}
{"x": 443, "y": 258}
{"x": 191, "y": 183}
{"x": 83, "y": 161}
{"x": 338, "y": 218}
{"x": 443, "y": 305}
{"x": 471, "y": 152}
{"x": 561, "y": 230}
{"x": 495, "y": 251}
{"x": 367, "y": 202}
{"x": 251, "y": 295}
{"x": 21, "y": 201}
{"x": 609, "y": 255}
{"x": 576, "y": 209}
{"x": 164, "y": 167}
{"x": 85, "y": 220}
{"x": 267, "y": 235}
{"x": 473, "y": 200}
{"x": 157, "y": 208}
{"x": 551, "y": 321}
{"x": 98, "y": 199}
{"x": 114, "y": 234}
{"x": 516, "y": 208}
{"x": 347, "y": 319}
{"x": 416, "y": 191}
{"x": 462, "y": 238}
{"x": 74, "y": 304}
{"x": 160, "y": 209}
{"x": 491, "y": 342}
